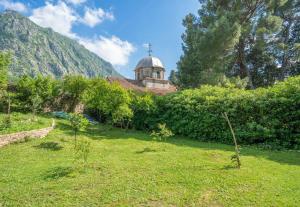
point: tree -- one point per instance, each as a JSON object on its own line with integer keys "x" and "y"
{"x": 74, "y": 87}
{"x": 111, "y": 100}
{"x": 288, "y": 43}
{"x": 77, "y": 122}
{"x": 36, "y": 92}
{"x": 236, "y": 157}
{"x": 239, "y": 38}
{"x": 123, "y": 115}
{"x": 5, "y": 60}
{"x": 36, "y": 102}
{"x": 4, "y": 63}
{"x": 173, "y": 78}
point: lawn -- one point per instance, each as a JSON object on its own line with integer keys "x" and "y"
{"x": 24, "y": 122}
{"x": 128, "y": 169}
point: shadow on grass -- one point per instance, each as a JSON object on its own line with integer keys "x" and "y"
{"x": 58, "y": 172}
{"x": 54, "y": 146}
{"x": 99, "y": 132}
{"x": 145, "y": 150}
{"x": 229, "y": 167}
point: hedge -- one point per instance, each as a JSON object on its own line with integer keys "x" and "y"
{"x": 265, "y": 115}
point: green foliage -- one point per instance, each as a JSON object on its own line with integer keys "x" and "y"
{"x": 261, "y": 116}
{"x": 36, "y": 102}
{"x": 18, "y": 122}
{"x": 74, "y": 87}
{"x": 143, "y": 105}
{"x": 5, "y": 122}
{"x": 110, "y": 100}
{"x": 78, "y": 122}
{"x": 5, "y": 59}
{"x": 253, "y": 39}
{"x": 173, "y": 78}
{"x": 162, "y": 133}
{"x": 35, "y": 93}
{"x": 233, "y": 82}
{"x": 121, "y": 114}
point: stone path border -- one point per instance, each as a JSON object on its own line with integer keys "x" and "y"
{"x": 36, "y": 133}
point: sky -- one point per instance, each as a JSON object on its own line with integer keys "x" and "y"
{"x": 116, "y": 30}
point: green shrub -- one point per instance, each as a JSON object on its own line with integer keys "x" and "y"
{"x": 77, "y": 122}
{"x": 5, "y": 122}
{"x": 162, "y": 133}
{"x": 265, "y": 115}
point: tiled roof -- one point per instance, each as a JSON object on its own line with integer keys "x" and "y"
{"x": 138, "y": 86}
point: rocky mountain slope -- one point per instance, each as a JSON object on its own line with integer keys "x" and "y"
{"x": 38, "y": 50}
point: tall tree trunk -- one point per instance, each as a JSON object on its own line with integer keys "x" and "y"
{"x": 241, "y": 59}
{"x": 284, "y": 61}
{"x": 243, "y": 69}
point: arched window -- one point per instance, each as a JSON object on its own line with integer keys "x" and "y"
{"x": 158, "y": 74}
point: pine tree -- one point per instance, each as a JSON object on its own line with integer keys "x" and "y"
{"x": 173, "y": 78}
{"x": 245, "y": 38}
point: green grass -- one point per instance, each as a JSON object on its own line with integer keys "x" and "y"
{"x": 24, "y": 122}
{"x": 128, "y": 169}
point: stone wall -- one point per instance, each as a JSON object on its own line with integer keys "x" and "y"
{"x": 37, "y": 133}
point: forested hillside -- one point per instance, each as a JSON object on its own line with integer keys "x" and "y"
{"x": 36, "y": 50}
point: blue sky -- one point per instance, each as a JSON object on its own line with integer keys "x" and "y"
{"x": 116, "y": 30}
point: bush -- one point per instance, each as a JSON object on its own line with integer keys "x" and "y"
{"x": 162, "y": 133}
{"x": 265, "y": 115}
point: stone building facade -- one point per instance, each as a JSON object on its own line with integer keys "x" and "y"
{"x": 149, "y": 76}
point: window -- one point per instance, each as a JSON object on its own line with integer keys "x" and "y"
{"x": 154, "y": 75}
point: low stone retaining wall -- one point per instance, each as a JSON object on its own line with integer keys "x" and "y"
{"x": 37, "y": 133}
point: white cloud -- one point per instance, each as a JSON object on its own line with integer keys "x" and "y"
{"x": 76, "y": 1}
{"x": 16, "y": 6}
{"x": 59, "y": 17}
{"x": 92, "y": 17}
{"x": 113, "y": 49}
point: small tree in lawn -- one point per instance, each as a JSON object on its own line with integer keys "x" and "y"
{"x": 78, "y": 122}
{"x": 162, "y": 134}
{"x": 83, "y": 149}
{"x": 236, "y": 157}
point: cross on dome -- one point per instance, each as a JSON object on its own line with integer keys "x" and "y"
{"x": 149, "y": 45}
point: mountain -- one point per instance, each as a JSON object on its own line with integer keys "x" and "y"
{"x": 38, "y": 50}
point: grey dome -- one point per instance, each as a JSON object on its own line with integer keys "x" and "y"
{"x": 149, "y": 62}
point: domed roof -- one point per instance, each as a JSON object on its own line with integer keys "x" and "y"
{"x": 149, "y": 62}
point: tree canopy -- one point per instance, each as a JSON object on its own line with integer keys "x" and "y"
{"x": 254, "y": 39}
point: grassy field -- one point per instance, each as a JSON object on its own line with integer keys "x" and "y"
{"x": 24, "y": 122}
{"x": 128, "y": 169}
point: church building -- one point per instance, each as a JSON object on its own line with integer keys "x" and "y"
{"x": 149, "y": 76}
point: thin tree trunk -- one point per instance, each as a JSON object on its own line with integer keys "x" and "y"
{"x": 9, "y": 107}
{"x": 234, "y": 139}
{"x": 75, "y": 135}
